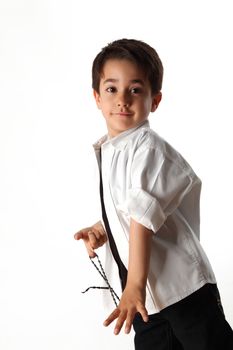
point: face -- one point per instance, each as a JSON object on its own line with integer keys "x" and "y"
{"x": 124, "y": 96}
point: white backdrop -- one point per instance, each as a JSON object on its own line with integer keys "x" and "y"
{"x": 48, "y": 121}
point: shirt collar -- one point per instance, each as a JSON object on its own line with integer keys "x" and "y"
{"x": 120, "y": 140}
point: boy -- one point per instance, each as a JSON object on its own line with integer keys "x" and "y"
{"x": 150, "y": 205}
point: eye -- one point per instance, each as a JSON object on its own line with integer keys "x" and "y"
{"x": 135, "y": 90}
{"x": 111, "y": 89}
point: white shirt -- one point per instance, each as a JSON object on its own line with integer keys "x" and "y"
{"x": 147, "y": 179}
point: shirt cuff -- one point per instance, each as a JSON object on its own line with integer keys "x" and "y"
{"x": 143, "y": 208}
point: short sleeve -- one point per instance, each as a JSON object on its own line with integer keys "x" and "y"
{"x": 157, "y": 187}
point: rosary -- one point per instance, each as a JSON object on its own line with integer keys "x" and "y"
{"x": 102, "y": 273}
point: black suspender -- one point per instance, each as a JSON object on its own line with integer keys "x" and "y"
{"x": 121, "y": 267}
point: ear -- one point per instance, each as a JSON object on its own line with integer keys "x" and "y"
{"x": 156, "y": 101}
{"x": 97, "y": 98}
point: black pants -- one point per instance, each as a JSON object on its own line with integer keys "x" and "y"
{"x": 194, "y": 323}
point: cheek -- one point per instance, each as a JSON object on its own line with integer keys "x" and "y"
{"x": 147, "y": 105}
{"x": 105, "y": 99}
{"x": 151, "y": 105}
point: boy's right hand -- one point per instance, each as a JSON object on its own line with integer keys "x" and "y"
{"x": 93, "y": 237}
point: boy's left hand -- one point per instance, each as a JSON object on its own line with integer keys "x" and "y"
{"x": 132, "y": 301}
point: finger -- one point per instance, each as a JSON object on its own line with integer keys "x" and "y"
{"x": 100, "y": 235}
{"x": 142, "y": 310}
{"x": 95, "y": 242}
{"x": 91, "y": 254}
{"x": 112, "y": 317}
{"x": 92, "y": 239}
{"x": 78, "y": 235}
{"x": 103, "y": 234}
{"x": 129, "y": 321}
{"x": 120, "y": 321}
{"x": 82, "y": 234}
{"x": 89, "y": 249}
{"x": 96, "y": 232}
{"x": 104, "y": 238}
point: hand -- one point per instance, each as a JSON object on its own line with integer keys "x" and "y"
{"x": 132, "y": 301}
{"x": 93, "y": 237}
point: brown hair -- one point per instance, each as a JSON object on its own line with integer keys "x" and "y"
{"x": 133, "y": 50}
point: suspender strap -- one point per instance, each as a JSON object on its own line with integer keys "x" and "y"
{"x": 121, "y": 267}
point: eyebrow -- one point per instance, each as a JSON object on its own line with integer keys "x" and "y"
{"x": 134, "y": 81}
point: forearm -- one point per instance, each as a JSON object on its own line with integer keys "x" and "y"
{"x": 139, "y": 254}
{"x": 134, "y": 294}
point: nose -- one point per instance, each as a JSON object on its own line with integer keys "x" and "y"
{"x": 123, "y": 100}
{"x": 122, "y": 104}
{"x": 125, "y": 104}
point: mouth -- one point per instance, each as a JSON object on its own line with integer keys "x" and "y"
{"x": 123, "y": 114}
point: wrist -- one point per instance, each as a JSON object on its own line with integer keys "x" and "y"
{"x": 136, "y": 284}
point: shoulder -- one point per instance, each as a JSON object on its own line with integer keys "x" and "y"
{"x": 148, "y": 142}
{"x": 146, "y": 138}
